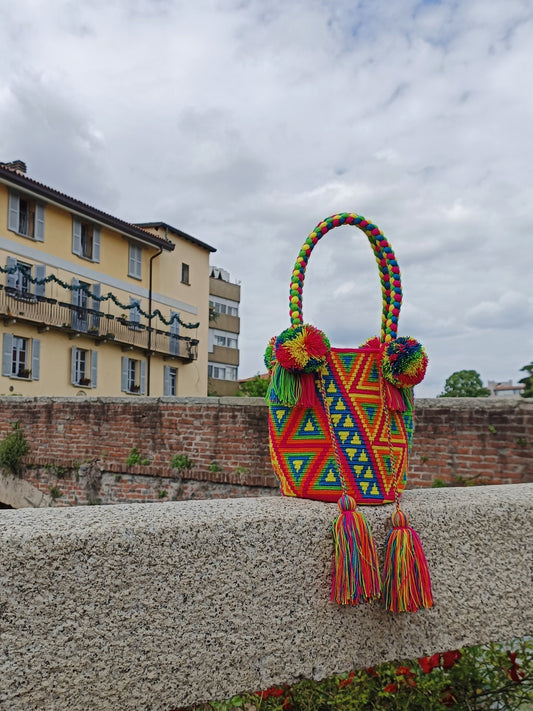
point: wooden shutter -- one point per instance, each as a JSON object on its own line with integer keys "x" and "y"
{"x": 166, "y": 380}
{"x": 94, "y": 368}
{"x": 76, "y": 237}
{"x": 96, "y": 244}
{"x": 143, "y": 378}
{"x": 40, "y": 273}
{"x": 174, "y": 334}
{"x": 35, "y": 359}
{"x": 11, "y": 278}
{"x": 7, "y": 354}
{"x": 124, "y": 375}
{"x": 13, "y": 210}
{"x": 95, "y": 305}
{"x": 73, "y": 351}
{"x": 39, "y": 223}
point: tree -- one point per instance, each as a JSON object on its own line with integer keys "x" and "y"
{"x": 254, "y": 387}
{"x": 527, "y": 381}
{"x": 464, "y": 383}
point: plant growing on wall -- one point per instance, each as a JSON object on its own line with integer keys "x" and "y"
{"x": 13, "y": 448}
{"x": 181, "y": 462}
{"x": 134, "y": 457}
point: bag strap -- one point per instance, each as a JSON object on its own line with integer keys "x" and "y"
{"x": 389, "y": 271}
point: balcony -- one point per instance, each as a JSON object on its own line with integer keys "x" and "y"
{"x": 222, "y": 354}
{"x": 74, "y": 321}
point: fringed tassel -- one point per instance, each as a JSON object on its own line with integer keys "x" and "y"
{"x": 291, "y": 389}
{"x": 394, "y": 397}
{"x": 406, "y": 581}
{"x": 356, "y": 566}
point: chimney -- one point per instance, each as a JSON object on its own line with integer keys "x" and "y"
{"x": 17, "y": 166}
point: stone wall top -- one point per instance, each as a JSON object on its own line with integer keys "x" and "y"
{"x": 161, "y": 605}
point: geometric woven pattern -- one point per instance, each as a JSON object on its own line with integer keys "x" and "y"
{"x": 300, "y": 441}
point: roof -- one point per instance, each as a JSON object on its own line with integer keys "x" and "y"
{"x": 18, "y": 179}
{"x": 180, "y": 233}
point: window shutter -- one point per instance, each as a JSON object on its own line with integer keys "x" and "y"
{"x": 11, "y": 278}
{"x": 135, "y": 315}
{"x": 40, "y": 273}
{"x": 35, "y": 359}
{"x": 13, "y": 218}
{"x": 76, "y": 237}
{"x": 131, "y": 263}
{"x": 166, "y": 380}
{"x": 73, "y": 365}
{"x": 7, "y": 354}
{"x": 95, "y": 305}
{"x": 75, "y": 302}
{"x": 143, "y": 377}
{"x": 174, "y": 334}
{"x": 124, "y": 376}
{"x": 94, "y": 368}
{"x": 96, "y": 244}
{"x": 39, "y": 223}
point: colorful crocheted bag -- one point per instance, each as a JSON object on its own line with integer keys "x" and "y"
{"x": 341, "y": 425}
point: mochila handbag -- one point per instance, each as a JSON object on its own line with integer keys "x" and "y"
{"x": 340, "y": 430}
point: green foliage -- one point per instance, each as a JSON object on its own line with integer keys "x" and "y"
{"x": 458, "y": 480}
{"x": 162, "y": 493}
{"x": 214, "y": 467}
{"x": 55, "y": 492}
{"x": 493, "y": 677}
{"x": 13, "y": 448}
{"x": 527, "y": 380}
{"x": 181, "y": 462}
{"x": 134, "y": 457}
{"x": 464, "y": 383}
{"x": 255, "y": 387}
{"x": 57, "y": 470}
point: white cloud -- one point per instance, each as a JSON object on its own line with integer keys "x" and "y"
{"x": 246, "y": 123}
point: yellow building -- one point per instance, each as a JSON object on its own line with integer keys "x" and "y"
{"x": 77, "y": 287}
{"x": 224, "y": 329}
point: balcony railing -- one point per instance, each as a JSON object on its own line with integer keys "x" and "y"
{"x": 75, "y": 320}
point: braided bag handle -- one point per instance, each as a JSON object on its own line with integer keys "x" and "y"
{"x": 389, "y": 271}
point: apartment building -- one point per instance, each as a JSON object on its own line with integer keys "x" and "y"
{"x": 224, "y": 329}
{"x": 92, "y": 305}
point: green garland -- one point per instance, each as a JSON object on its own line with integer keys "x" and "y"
{"x": 107, "y": 297}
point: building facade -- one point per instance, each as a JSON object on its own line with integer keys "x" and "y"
{"x": 92, "y": 305}
{"x": 224, "y": 329}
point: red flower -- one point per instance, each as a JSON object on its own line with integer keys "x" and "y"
{"x": 515, "y": 673}
{"x": 372, "y": 672}
{"x": 273, "y": 691}
{"x": 391, "y": 688}
{"x": 429, "y": 663}
{"x": 450, "y": 658}
{"x": 404, "y": 671}
{"x": 347, "y": 681}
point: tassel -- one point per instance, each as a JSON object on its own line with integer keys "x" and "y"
{"x": 356, "y": 566}
{"x": 394, "y": 397}
{"x": 406, "y": 581}
{"x": 291, "y": 389}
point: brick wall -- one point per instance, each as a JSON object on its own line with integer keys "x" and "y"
{"x": 79, "y": 446}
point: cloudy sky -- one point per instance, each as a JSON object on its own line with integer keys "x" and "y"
{"x": 246, "y": 122}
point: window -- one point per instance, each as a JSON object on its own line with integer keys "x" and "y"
{"x": 83, "y": 371}
{"x": 80, "y": 303}
{"x": 226, "y": 341}
{"x": 135, "y": 262}
{"x": 222, "y": 372}
{"x": 174, "y": 343}
{"x": 135, "y": 314}
{"x": 185, "y": 273}
{"x": 86, "y": 240}
{"x": 21, "y": 357}
{"x": 133, "y": 376}
{"x": 170, "y": 380}
{"x": 26, "y": 216}
{"x": 222, "y": 308}
{"x": 19, "y": 280}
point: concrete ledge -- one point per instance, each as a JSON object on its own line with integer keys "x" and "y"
{"x": 160, "y": 605}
